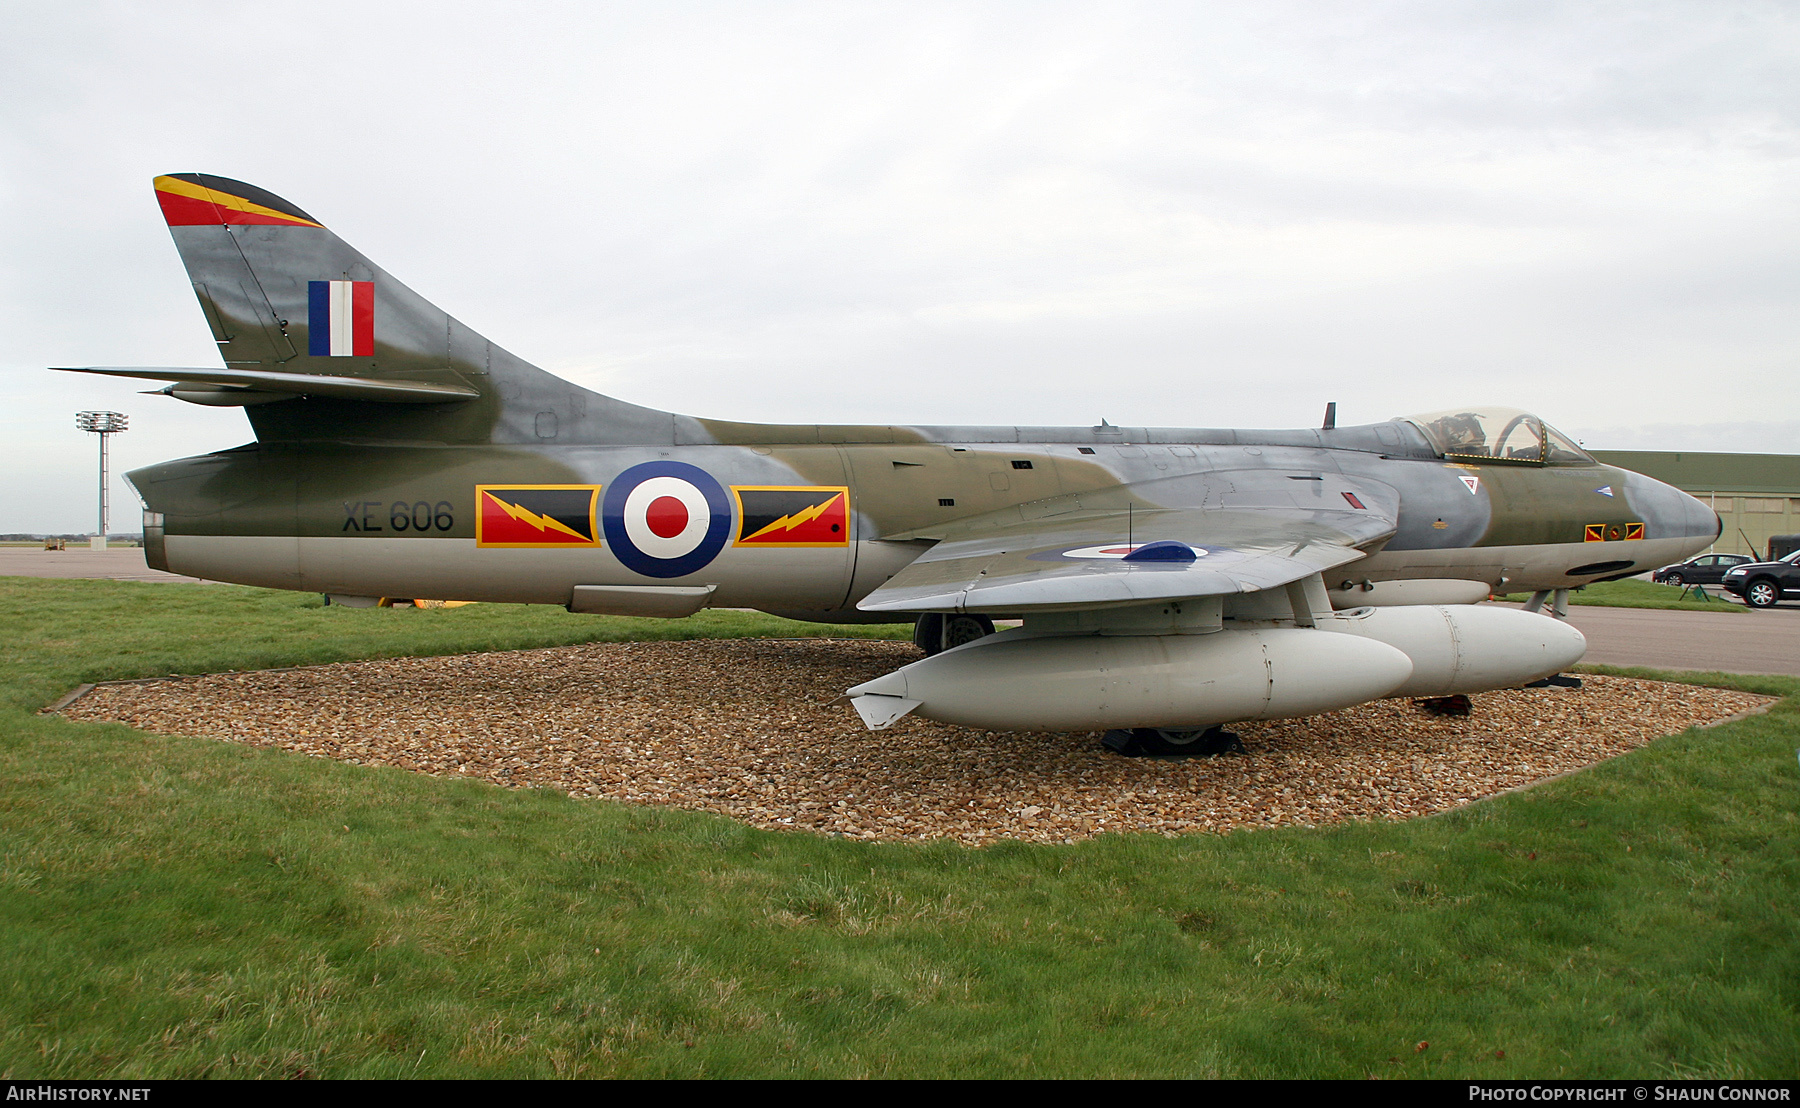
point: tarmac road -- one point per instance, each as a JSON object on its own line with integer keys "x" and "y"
{"x": 1742, "y": 641}
{"x": 123, "y": 563}
{"x": 1738, "y": 641}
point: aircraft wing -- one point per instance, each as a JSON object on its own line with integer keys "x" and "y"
{"x": 1246, "y": 531}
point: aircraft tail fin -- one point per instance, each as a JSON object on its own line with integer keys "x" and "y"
{"x": 300, "y": 315}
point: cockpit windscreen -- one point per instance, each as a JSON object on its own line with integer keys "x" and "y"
{"x": 1498, "y": 435}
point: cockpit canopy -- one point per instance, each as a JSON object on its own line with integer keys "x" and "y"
{"x": 1498, "y": 435}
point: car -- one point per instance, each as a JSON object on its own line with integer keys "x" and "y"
{"x": 1765, "y": 584}
{"x": 1707, "y": 569}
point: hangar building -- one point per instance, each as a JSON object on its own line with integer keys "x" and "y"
{"x": 1757, "y": 495}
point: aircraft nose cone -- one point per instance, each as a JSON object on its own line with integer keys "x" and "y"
{"x": 1669, "y": 513}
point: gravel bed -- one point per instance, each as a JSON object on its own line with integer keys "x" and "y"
{"x": 741, "y": 728}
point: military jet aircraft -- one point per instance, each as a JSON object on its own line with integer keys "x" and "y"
{"x": 1168, "y": 579}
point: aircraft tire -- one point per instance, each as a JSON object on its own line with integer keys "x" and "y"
{"x": 928, "y": 633}
{"x": 935, "y": 633}
{"x": 966, "y": 629}
{"x": 1204, "y": 742}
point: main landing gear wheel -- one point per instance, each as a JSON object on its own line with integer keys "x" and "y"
{"x": 935, "y": 633}
{"x": 1762, "y": 593}
{"x": 1162, "y": 742}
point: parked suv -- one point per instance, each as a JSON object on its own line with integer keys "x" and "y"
{"x": 1765, "y": 584}
{"x": 1707, "y": 569}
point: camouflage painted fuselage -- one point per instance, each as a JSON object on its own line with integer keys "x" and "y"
{"x": 399, "y": 453}
{"x": 399, "y": 519}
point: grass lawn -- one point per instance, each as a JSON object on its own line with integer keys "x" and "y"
{"x": 176, "y": 907}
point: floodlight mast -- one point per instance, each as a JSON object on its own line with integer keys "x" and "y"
{"x": 102, "y": 424}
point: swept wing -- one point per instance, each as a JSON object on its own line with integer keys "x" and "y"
{"x": 1248, "y": 530}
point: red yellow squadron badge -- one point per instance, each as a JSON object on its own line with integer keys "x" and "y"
{"x": 792, "y": 515}
{"x": 1612, "y": 532}
{"x": 536, "y": 515}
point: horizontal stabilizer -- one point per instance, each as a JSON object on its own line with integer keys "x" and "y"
{"x": 387, "y": 391}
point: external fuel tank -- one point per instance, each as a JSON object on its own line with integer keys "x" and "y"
{"x": 1025, "y": 680}
{"x": 1017, "y": 680}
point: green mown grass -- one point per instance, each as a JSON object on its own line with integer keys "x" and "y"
{"x": 176, "y": 907}
{"x": 1632, "y": 593}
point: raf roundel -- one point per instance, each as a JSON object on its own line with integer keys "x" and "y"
{"x": 1123, "y": 552}
{"x": 665, "y": 519}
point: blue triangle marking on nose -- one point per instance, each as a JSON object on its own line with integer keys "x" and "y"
{"x": 1604, "y": 490}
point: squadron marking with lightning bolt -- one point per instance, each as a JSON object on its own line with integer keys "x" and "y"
{"x": 789, "y": 522}
{"x": 792, "y": 515}
{"x": 536, "y": 515}
{"x": 542, "y": 523}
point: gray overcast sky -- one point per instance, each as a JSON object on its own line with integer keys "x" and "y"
{"x": 1200, "y": 214}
